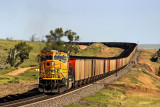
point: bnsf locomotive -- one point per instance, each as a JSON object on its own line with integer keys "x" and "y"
{"x": 59, "y": 71}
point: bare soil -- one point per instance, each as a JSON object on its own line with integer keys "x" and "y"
{"x": 82, "y": 47}
{"x": 16, "y": 72}
{"x": 18, "y": 88}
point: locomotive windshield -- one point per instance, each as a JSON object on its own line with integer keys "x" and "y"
{"x": 44, "y": 58}
{"x": 60, "y": 58}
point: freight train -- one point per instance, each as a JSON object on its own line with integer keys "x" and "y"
{"x": 59, "y": 71}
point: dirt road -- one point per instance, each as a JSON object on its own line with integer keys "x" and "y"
{"x": 18, "y": 71}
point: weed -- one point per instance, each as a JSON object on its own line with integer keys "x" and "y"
{"x": 15, "y": 80}
{"x": 29, "y": 75}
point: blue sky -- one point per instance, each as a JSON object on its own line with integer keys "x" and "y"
{"x": 93, "y": 20}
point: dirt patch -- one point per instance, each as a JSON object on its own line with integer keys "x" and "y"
{"x": 82, "y": 47}
{"x": 19, "y": 88}
{"x": 20, "y": 70}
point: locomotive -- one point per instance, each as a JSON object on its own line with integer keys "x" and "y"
{"x": 59, "y": 71}
{"x": 55, "y": 75}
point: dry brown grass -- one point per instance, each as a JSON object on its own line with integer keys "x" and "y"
{"x": 142, "y": 79}
{"x": 144, "y": 60}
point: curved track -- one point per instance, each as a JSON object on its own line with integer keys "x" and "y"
{"x": 49, "y": 99}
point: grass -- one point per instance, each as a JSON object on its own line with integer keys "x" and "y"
{"x": 99, "y": 50}
{"x": 113, "y": 98}
{"x": 29, "y": 75}
{"x": 91, "y": 50}
{"x": 5, "y": 71}
{"x": 133, "y": 77}
{"x": 6, "y": 45}
{"x": 6, "y": 79}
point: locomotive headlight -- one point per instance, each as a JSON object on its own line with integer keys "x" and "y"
{"x": 52, "y": 63}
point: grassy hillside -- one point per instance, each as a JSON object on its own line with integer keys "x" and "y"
{"x": 99, "y": 50}
{"x": 29, "y": 75}
{"x": 5, "y": 46}
{"x": 139, "y": 88}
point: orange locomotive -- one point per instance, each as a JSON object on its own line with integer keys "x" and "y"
{"x": 55, "y": 75}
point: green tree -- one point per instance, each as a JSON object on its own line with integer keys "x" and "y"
{"x": 55, "y": 35}
{"x": 155, "y": 56}
{"x": 20, "y": 51}
{"x": 54, "y": 40}
{"x": 72, "y": 36}
{"x": 12, "y": 57}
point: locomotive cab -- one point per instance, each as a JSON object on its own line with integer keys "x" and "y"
{"x": 54, "y": 72}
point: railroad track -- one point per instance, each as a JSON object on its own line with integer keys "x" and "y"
{"x": 72, "y": 95}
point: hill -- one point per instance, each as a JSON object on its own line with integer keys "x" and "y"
{"x": 98, "y": 50}
{"x": 6, "y": 45}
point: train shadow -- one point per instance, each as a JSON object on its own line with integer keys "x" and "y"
{"x": 27, "y": 94}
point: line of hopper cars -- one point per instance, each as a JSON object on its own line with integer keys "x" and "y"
{"x": 59, "y": 71}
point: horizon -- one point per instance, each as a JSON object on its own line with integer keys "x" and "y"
{"x": 76, "y": 41}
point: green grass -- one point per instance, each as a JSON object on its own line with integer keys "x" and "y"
{"x": 5, "y": 71}
{"x": 91, "y": 50}
{"x": 29, "y": 75}
{"x": 6, "y": 45}
{"x": 133, "y": 77}
{"x": 6, "y": 79}
{"x": 114, "y": 98}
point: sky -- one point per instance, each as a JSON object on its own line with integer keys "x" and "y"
{"x": 135, "y": 21}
